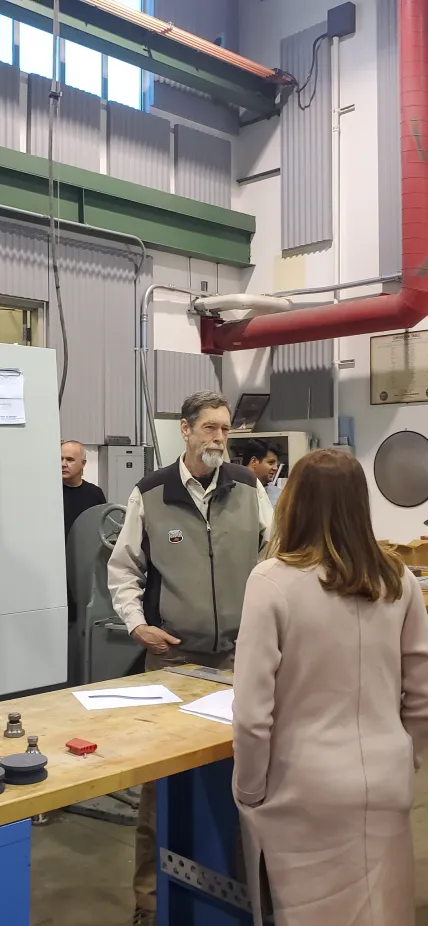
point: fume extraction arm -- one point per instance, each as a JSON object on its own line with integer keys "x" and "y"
{"x": 375, "y": 313}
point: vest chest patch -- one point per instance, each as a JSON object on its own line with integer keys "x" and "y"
{"x": 175, "y": 536}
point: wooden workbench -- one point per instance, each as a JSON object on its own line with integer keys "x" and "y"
{"x": 135, "y": 745}
{"x": 196, "y": 816}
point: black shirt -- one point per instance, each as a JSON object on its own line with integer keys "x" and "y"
{"x": 206, "y": 481}
{"x": 78, "y": 499}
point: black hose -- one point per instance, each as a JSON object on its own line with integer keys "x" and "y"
{"x": 54, "y": 98}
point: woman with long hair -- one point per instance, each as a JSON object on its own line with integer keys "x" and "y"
{"x": 331, "y": 700}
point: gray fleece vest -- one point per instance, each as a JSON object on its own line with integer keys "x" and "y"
{"x": 197, "y": 570}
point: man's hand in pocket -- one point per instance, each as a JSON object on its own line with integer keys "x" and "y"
{"x": 153, "y": 639}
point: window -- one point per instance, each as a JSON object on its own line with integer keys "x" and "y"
{"x": 124, "y": 83}
{"x": 35, "y": 51}
{"x": 6, "y": 34}
{"x": 21, "y": 326}
{"x": 149, "y": 80}
{"x": 148, "y": 90}
{"x": 83, "y": 68}
{"x": 124, "y": 80}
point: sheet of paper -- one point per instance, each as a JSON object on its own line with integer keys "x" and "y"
{"x": 216, "y": 706}
{"x": 102, "y": 699}
{"x": 12, "y": 409}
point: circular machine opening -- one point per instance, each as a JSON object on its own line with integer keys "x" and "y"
{"x": 401, "y": 469}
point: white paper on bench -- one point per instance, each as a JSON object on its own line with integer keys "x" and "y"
{"x": 216, "y": 706}
{"x": 102, "y": 699}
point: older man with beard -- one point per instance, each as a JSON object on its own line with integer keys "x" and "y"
{"x": 192, "y": 534}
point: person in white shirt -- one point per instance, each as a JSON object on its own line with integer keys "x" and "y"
{"x": 199, "y": 517}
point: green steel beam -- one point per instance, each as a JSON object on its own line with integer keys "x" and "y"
{"x": 121, "y": 39}
{"x": 162, "y": 220}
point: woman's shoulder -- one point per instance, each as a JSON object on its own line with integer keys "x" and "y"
{"x": 410, "y": 582}
{"x": 281, "y": 574}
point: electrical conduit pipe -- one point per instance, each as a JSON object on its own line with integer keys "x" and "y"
{"x": 379, "y": 313}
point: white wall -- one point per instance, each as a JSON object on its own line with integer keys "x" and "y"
{"x": 262, "y": 25}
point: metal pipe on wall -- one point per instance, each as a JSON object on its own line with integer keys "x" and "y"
{"x": 372, "y": 314}
{"x": 147, "y": 408}
{"x": 332, "y": 287}
{"x": 335, "y": 147}
{"x": 96, "y": 231}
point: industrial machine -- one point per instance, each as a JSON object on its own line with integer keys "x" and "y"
{"x": 33, "y": 596}
{"x": 100, "y": 645}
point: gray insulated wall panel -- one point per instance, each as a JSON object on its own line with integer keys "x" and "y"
{"x": 390, "y": 247}
{"x": 23, "y": 262}
{"x": 9, "y": 107}
{"x": 203, "y": 166}
{"x": 77, "y": 136}
{"x": 178, "y": 375}
{"x": 306, "y": 163}
{"x": 98, "y": 294}
{"x": 139, "y": 147}
{"x": 301, "y": 383}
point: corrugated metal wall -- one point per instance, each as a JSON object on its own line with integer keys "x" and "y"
{"x": 306, "y": 146}
{"x": 139, "y": 147}
{"x": 203, "y": 166}
{"x": 301, "y": 381}
{"x": 78, "y": 133}
{"x": 178, "y": 375}
{"x": 23, "y": 262}
{"x": 82, "y": 270}
{"x": 9, "y": 107}
{"x": 390, "y": 245}
{"x": 98, "y": 295}
{"x": 97, "y": 283}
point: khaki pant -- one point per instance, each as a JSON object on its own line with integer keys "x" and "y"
{"x": 145, "y": 841}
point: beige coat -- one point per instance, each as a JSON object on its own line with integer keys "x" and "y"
{"x": 328, "y": 693}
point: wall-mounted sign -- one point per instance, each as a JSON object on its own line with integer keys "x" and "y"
{"x": 12, "y": 409}
{"x": 399, "y": 368}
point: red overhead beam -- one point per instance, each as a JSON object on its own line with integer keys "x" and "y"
{"x": 379, "y": 313}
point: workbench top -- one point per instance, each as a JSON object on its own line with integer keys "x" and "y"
{"x": 135, "y": 744}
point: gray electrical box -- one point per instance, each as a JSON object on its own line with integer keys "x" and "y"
{"x": 119, "y": 470}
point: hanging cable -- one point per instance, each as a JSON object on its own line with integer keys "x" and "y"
{"x": 54, "y": 98}
{"x": 313, "y": 73}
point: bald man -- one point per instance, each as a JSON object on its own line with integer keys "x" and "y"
{"x": 78, "y": 494}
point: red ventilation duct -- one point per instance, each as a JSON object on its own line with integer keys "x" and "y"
{"x": 379, "y": 313}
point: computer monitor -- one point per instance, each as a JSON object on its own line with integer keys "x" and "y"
{"x": 249, "y": 410}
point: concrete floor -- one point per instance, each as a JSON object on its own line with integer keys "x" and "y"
{"x": 82, "y": 869}
{"x": 82, "y": 873}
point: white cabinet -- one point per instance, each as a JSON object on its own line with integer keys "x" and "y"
{"x": 33, "y": 596}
